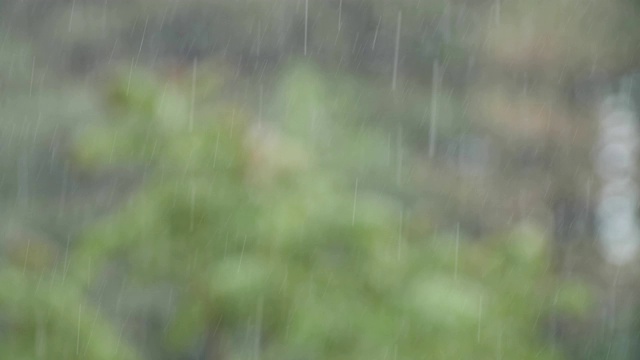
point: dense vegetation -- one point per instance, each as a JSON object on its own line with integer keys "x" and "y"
{"x": 303, "y": 180}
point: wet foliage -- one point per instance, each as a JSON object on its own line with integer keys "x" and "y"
{"x": 306, "y": 179}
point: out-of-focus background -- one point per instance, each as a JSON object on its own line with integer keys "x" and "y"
{"x": 319, "y": 179}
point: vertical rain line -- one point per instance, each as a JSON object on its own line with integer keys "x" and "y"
{"x": 434, "y": 108}
{"x": 499, "y": 357}
{"x": 104, "y": 17}
{"x": 78, "y": 336}
{"x": 258, "y": 335}
{"x": 389, "y": 150}
{"x": 192, "y": 208}
{"x": 33, "y": 68}
{"x": 394, "y": 80}
{"x": 73, "y": 5}
{"x": 455, "y": 271}
{"x": 355, "y": 200}
{"x": 260, "y": 106}
{"x": 26, "y": 256}
{"x": 339, "y": 16}
{"x": 65, "y": 185}
{"x": 133, "y": 61}
{"x": 400, "y": 233}
{"x": 479, "y": 320}
{"x": 259, "y": 39}
{"x": 193, "y": 93}
{"x": 306, "y": 25}
{"x": 40, "y": 338}
{"x": 65, "y": 266}
{"x": 23, "y": 181}
{"x": 399, "y": 154}
{"x": 144, "y": 33}
{"x": 375, "y": 34}
{"x": 446, "y": 22}
{"x": 244, "y": 243}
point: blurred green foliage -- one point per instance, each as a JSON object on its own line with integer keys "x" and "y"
{"x": 46, "y": 318}
{"x": 293, "y": 214}
{"x": 286, "y": 256}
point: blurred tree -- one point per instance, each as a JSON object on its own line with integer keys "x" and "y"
{"x": 274, "y": 259}
{"x": 505, "y": 69}
{"x": 44, "y": 314}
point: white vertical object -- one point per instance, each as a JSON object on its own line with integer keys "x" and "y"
{"x": 615, "y": 163}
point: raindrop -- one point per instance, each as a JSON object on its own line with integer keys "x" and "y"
{"x": 242, "y": 254}
{"x": 455, "y": 271}
{"x": 399, "y": 155}
{"x": 306, "y": 25}
{"x": 375, "y": 34}
{"x": 339, "y": 16}
{"x": 33, "y": 67}
{"x": 479, "y": 319}
{"x": 396, "y": 53}
{"x": 355, "y": 199}
{"x": 435, "y": 88}
{"x": 73, "y": 5}
{"x": 78, "y": 337}
{"x": 193, "y": 94}
{"x": 144, "y": 32}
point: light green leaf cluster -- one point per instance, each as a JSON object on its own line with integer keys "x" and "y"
{"x": 297, "y": 261}
{"x": 46, "y": 317}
